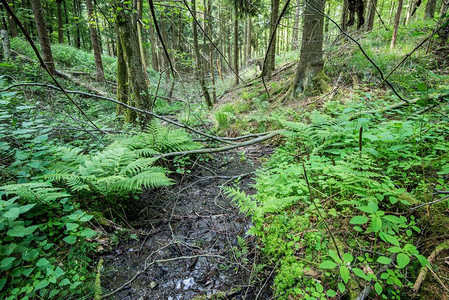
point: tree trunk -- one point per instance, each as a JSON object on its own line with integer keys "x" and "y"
{"x": 6, "y": 45}
{"x": 397, "y": 19}
{"x": 138, "y": 83}
{"x": 78, "y": 30}
{"x": 66, "y": 21}
{"x": 154, "y": 52}
{"x": 236, "y": 46}
{"x": 326, "y": 20}
{"x": 12, "y": 22}
{"x": 94, "y": 38}
{"x": 122, "y": 81}
{"x": 370, "y": 14}
{"x": 269, "y": 68}
{"x": 344, "y": 15}
{"x": 211, "y": 52}
{"x": 199, "y": 72}
{"x": 59, "y": 12}
{"x": 311, "y": 56}
{"x": 44, "y": 41}
{"x": 139, "y": 32}
{"x": 430, "y": 9}
{"x": 296, "y": 25}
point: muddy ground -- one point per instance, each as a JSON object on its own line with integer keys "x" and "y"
{"x": 194, "y": 240}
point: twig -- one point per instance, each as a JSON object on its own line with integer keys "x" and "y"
{"x": 429, "y": 203}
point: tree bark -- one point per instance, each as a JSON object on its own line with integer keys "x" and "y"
{"x": 122, "y": 80}
{"x": 199, "y": 72}
{"x": 139, "y": 32}
{"x": 154, "y": 52}
{"x": 370, "y": 14}
{"x": 344, "y": 15}
{"x": 66, "y": 21}
{"x": 269, "y": 68}
{"x": 236, "y": 46}
{"x": 311, "y": 56}
{"x": 94, "y": 38}
{"x": 6, "y": 45}
{"x": 44, "y": 41}
{"x": 397, "y": 20}
{"x": 296, "y": 26}
{"x": 211, "y": 51}
{"x": 138, "y": 83}
{"x": 12, "y": 22}
{"x": 430, "y": 9}
{"x": 59, "y": 12}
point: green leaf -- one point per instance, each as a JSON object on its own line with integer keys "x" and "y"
{"x": 348, "y": 258}
{"x": 341, "y": 287}
{"x": 88, "y": 233}
{"x": 389, "y": 238}
{"x": 70, "y": 239}
{"x": 42, "y": 262}
{"x": 384, "y": 260}
{"x": 328, "y": 264}
{"x": 394, "y": 249}
{"x": 319, "y": 287}
{"x": 376, "y": 223}
{"x": 71, "y": 226}
{"x": 12, "y": 213}
{"x": 21, "y": 231}
{"x": 334, "y": 256}
{"x": 378, "y": 288}
{"x": 30, "y": 254}
{"x": 331, "y": 293}
{"x": 6, "y": 263}
{"x": 402, "y": 260}
{"x": 344, "y": 273}
{"x": 41, "y": 284}
{"x": 422, "y": 259}
{"x": 357, "y": 220}
{"x": 2, "y": 283}
{"x": 358, "y": 272}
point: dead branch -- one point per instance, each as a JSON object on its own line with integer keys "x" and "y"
{"x": 423, "y": 272}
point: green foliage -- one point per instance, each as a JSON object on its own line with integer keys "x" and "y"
{"x": 37, "y": 222}
{"x": 356, "y": 191}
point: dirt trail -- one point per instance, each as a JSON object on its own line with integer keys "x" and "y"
{"x": 192, "y": 246}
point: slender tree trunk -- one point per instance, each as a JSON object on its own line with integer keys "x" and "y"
{"x": 66, "y": 21}
{"x": 397, "y": 20}
{"x": 370, "y": 14}
{"x": 139, "y": 32}
{"x": 199, "y": 72}
{"x": 344, "y": 15}
{"x": 44, "y": 41}
{"x": 236, "y": 46}
{"x": 94, "y": 38}
{"x": 12, "y": 23}
{"x": 78, "y": 30}
{"x": 211, "y": 51}
{"x": 249, "y": 39}
{"x": 430, "y": 9}
{"x": 4, "y": 23}
{"x": 154, "y": 52}
{"x": 60, "y": 26}
{"x": 326, "y": 20}
{"x": 311, "y": 56}
{"x": 122, "y": 81}
{"x": 6, "y": 45}
{"x": 271, "y": 59}
{"x": 296, "y": 25}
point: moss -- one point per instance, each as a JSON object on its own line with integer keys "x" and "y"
{"x": 320, "y": 84}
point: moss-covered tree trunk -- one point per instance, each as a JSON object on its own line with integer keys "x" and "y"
{"x": 60, "y": 22}
{"x": 269, "y": 68}
{"x": 311, "y": 56}
{"x": 296, "y": 26}
{"x": 430, "y": 9}
{"x": 122, "y": 81}
{"x": 44, "y": 40}
{"x": 236, "y": 46}
{"x": 138, "y": 83}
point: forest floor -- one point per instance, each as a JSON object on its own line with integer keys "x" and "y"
{"x": 193, "y": 238}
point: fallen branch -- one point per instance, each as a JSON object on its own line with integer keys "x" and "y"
{"x": 429, "y": 203}
{"x": 143, "y": 111}
{"x": 423, "y": 272}
{"x": 225, "y": 148}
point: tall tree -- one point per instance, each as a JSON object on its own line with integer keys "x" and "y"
{"x": 430, "y": 9}
{"x": 60, "y": 22}
{"x": 198, "y": 69}
{"x": 236, "y": 45}
{"x": 138, "y": 83}
{"x": 12, "y": 22}
{"x": 397, "y": 20}
{"x": 370, "y": 14}
{"x": 311, "y": 56}
{"x": 269, "y": 68}
{"x": 296, "y": 26}
{"x": 44, "y": 41}
{"x": 94, "y": 39}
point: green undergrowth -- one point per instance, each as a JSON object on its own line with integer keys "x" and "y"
{"x": 365, "y": 175}
{"x": 53, "y": 183}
